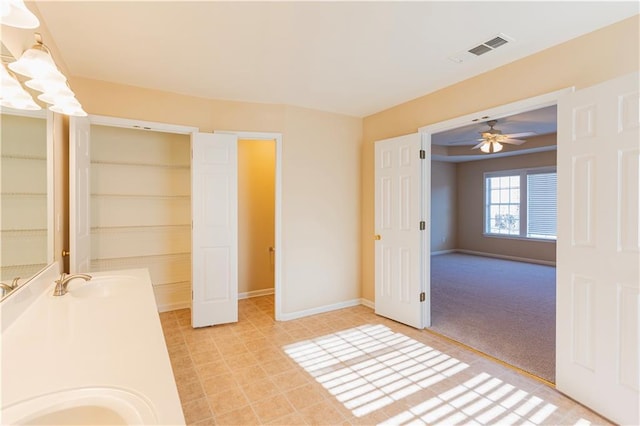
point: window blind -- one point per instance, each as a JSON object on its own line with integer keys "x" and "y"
{"x": 541, "y": 205}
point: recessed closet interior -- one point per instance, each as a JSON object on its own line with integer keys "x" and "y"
{"x": 140, "y": 211}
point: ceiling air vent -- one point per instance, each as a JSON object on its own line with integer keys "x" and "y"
{"x": 482, "y": 48}
{"x": 496, "y": 42}
{"x": 488, "y": 46}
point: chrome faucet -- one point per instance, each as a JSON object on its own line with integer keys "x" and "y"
{"x": 8, "y": 288}
{"x": 63, "y": 282}
{"x": 5, "y": 289}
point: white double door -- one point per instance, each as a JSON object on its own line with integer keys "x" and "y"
{"x": 598, "y": 246}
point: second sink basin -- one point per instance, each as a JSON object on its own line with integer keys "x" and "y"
{"x": 85, "y": 406}
{"x": 98, "y": 287}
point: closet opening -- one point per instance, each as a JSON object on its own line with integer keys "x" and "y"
{"x": 256, "y": 225}
{"x": 140, "y": 208}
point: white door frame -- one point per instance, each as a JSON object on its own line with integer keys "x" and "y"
{"x": 498, "y": 112}
{"x": 277, "y": 137}
{"x": 102, "y": 120}
{"x": 501, "y": 111}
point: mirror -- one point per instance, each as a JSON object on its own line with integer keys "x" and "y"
{"x": 26, "y": 199}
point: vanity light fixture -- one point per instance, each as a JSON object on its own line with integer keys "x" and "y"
{"x": 12, "y": 94}
{"x": 14, "y": 13}
{"x": 38, "y": 64}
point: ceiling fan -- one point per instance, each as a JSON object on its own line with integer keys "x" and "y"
{"x": 492, "y": 139}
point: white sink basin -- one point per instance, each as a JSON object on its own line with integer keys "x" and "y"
{"x": 85, "y": 406}
{"x": 99, "y": 287}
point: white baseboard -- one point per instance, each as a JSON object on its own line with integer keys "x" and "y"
{"x": 173, "y": 296}
{"x": 368, "y": 303}
{"x": 255, "y": 293}
{"x": 501, "y": 256}
{"x": 439, "y": 252}
{"x": 319, "y": 310}
{"x": 174, "y": 306}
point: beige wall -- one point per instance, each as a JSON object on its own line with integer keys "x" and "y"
{"x": 320, "y": 178}
{"x": 470, "y": 221}
{"x": 321, "y": 209}
{"x": 444, "y": 206}
{"x": 256, "y": 214}
{"x": 320, "y": 173}
{"x": 599, "y": 56}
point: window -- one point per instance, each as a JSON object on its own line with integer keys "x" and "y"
{"x": 521, "y": 203}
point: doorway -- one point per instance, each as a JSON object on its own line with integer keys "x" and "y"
{"x": 256, "y": 219}
{"x": 493, "y": 242}
{"x": 215, "y": 244}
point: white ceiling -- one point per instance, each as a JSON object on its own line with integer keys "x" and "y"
{"x": 355, "y": 58}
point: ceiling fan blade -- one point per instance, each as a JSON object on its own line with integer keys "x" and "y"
{"x": 520, "y": 135}
{"x": 479, "y": 145}
{"x": 513, "y": 141}
{"x": 460, "y": 142}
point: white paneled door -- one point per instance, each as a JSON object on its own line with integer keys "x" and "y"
{"x": 214, "y": 197}
{"x": 598, "y": 251}
{"x": 400, "y": 277}
{"x": 79, "y": 195}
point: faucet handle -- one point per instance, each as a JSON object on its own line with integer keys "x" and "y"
{"x": 14, "y": 283}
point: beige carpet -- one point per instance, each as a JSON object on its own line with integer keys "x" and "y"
{"x": 503, "y": 308}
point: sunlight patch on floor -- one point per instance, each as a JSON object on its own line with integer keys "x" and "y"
{"x": 370, "y": 367}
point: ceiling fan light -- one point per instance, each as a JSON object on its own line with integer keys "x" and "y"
{"x": 14, "y": 13}
{"x": 486, "y": 147}
{"x": 497, "y": 147}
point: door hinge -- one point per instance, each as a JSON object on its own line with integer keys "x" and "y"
{"x": 423, "y": 154}
{"x": 423, "y": 297}
{"x": 423, "y": 225}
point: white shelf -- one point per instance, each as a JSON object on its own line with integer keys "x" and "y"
{"x": 134, "y": 164}
{"x": 143, "y": 196}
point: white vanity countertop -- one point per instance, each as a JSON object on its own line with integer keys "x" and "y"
{"x": 71, "y": 342}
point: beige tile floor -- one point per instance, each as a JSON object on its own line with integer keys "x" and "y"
{"x": 347, "y": 367}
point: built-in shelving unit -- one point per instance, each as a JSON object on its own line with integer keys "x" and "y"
{"x": 23, "y": 196}
{"x": 141, "y": 208}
